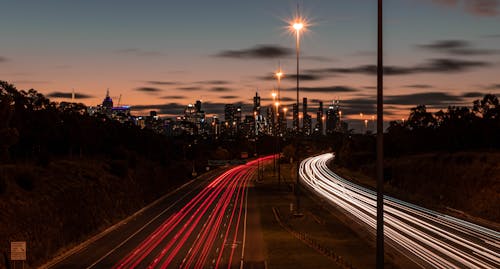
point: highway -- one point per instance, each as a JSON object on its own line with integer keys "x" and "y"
{"x": 201, "y": 227}
{"x": 429, "y": 238}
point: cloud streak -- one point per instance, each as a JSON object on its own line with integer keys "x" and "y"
{"x": 487, "y": 8}
{"x": 331, "y": 89}
{"x": 426, "y": 98}
{"x": 156, "y": 82}
{"x": 68, "y": 95}
{"x": 150, "y": 90}
{"x": 257, "y": 52}
{"x": 456, "y": 47}
{"x": 442, "y": 65}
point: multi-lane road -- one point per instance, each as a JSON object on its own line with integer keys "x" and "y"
{"x": 200, "y": 226}
{"x": 431, "y": 239}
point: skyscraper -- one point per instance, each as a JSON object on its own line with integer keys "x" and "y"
{"x": 306, "y": 119}
{"x": 319, "y": 120}
{"x": 295, "y": 119}
{"x": 332, "y": 117}
{"x": 256, "y": 104}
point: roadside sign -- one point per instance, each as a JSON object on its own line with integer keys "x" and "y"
{"x": 18, "y": 251}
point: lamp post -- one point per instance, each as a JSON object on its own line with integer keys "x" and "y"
{"x": 298, "y": 26}
{"x": 274, "y": 133}
{"x": 278, "y": 76}
{"x": 380, "y": 141}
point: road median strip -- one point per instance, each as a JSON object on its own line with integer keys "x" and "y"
{"x": 306, "y": 239}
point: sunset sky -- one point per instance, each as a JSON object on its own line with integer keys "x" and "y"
{"x": 162, "y": 55}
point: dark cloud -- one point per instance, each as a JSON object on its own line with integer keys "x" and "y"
{"x": 214, "y": 82}
{"x": 293, "y": 77}
{"x": 229, "y": 97}
{"x": 317, "y": 58}
{"x": 357, "y": 105}
{"x": 173, "y": 97}
{"x": 149, "y": 90}
{"x": 431, "y": 66}
{"x": 491, "y": 36}
{"x": 191, "y": 88}
{"x": 457, "y": 47}
{"x": 169, "y": 108}
{"x": 495, "y": 86}
{"x": 68, "y": 95}
{"x": 419, "y": 86}
{"x": 156, "y": 82}
{"x": 257, "y": 52}
{"x": 3, "y": 59}
{"x": 32, "y": 82}
{"x": 449, "y": 65}
{"x": 139, "y": 52}
{"x": 427, "y": 98}
{"x": 282, "y": 99}
{"x": 221, "y": 89}
{"x": 472, "y": 94}
{"x": 487, "y": 8}
{"x": 332, "y": 89}
{"x": 370, "y": 87}
{"x": 303, "y": 77}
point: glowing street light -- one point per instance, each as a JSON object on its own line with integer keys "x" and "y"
{"x": 298, "y": 25}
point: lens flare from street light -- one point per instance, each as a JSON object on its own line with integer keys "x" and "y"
{"x": 273, "y": 94}
{"x": 279, "y": 74}
{"x": 298, "y": 26}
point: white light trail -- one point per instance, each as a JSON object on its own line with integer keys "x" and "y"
{"x": 435, "y": 239}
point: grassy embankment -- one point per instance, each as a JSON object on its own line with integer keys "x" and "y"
{"x": 321, "y": 223}
{"x": 55, "y": 207}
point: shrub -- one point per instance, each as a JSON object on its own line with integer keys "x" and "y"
{"x": 25, "y": 180}
{"x": 118, "y": 168}
{"x": 3, "y": 185}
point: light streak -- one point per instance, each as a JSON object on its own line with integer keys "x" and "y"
{"x": 196, "y": 226}
{"x": 432, "y": 239}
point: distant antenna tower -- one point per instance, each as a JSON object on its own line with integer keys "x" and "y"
{"x": 119, "y": 100}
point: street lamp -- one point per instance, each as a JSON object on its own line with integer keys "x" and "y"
{"x": 380, "y": 140}
{"x": 298, "y": 25}
{"x": 274, "y": 132}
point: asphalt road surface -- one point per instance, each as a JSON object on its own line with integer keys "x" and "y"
{"x": 201, "y": 225}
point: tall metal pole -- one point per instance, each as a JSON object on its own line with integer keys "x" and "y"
{"x": 297, "y": 50}
{"x": 380, "y": 143}
{"x": 278, "y": 138}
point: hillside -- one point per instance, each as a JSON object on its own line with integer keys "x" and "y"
{"x": 59, "y": 205}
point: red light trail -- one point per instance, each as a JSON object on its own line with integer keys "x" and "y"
{"x": 206, "y": 232}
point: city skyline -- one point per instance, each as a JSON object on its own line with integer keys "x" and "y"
{"x": 438, "y": 53}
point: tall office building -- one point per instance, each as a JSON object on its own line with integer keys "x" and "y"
{"x": 306, "y": 119}
{"x": 319, "y": 120}
{"x": 256, "y": 104}
{"x": 332, "y": 117}
{"x": 295, "y": 119}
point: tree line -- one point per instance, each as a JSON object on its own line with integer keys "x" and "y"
{"x": 34, "y": 128}
{"x": 457, "y": 128}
